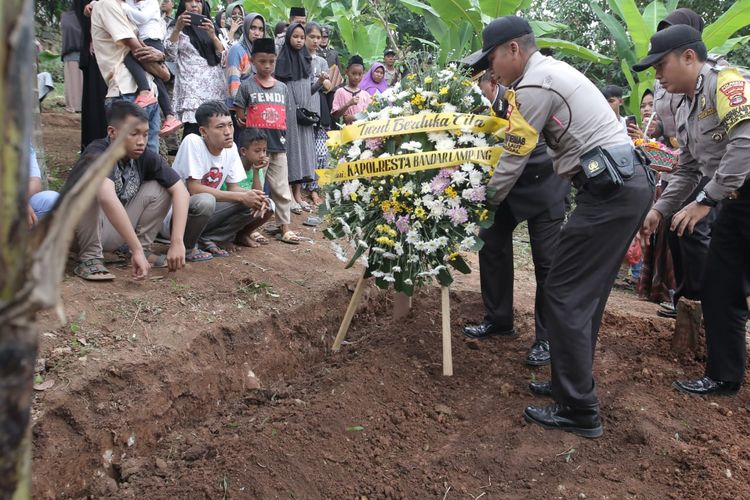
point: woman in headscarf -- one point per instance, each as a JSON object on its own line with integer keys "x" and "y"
{"x": 374, "y": 81}
{"x": 239, "y": 66}
{"x": 294, "y": 68}
{"x": 93, "y": 117}
{"x": 197, "y": 52}
{"x": 227, "y": 36}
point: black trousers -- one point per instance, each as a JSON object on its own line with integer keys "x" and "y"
{"x": 726, "y": 284}
{"x": 592, "y": 245}
{"x": 690, "y": 251}
{"x": 496, "y": 265}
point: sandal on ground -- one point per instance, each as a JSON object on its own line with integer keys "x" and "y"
{"x": 289, "y": 237}
{"x": 93, "y": 270}
{"x": 123, "y": 252}
{"x": 198, "y": 255}
{"x": 215, "y": 250}
{"x": 272, "y": 228}
{"x": 258, "y": 238}
{"x": 159, "y": 260}
{"x": 296, "y": 208}
{"x": 305, "y": 206}
{"x": 312, "y": 221}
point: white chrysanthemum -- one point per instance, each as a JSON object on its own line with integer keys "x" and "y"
{"x": 360, "y": 212}
{"x": 449, "y": 108}
{"x": 398, "y": 248}
{"x": 337, "y": 195}
{"x": 412, "y": 146}
{"x": 445, "y": 144}
{"x": 468, "y": 243}
{"x": 366, "y": 155}
{"x": 467, "y": 100}
{"x": 475, "y": 178}
{"x": 396, "y": 269}
{"x": 354, "y": 152}
{"x": 471, "y": 229}
{"x": 426, "y": 188}
{"x": 467, "y": 167}
{"x": 378, "y": 274}
{"x": 396, "y": 110}
{"x": 412, "y": 238}
{"x": 458, "y": 177}
{"x": 479, "y": 141}
{"x": 389, "y": 278}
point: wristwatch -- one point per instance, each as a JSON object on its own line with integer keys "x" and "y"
{"x": 704, "y": 199}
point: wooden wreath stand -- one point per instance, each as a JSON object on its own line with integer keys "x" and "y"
{"x": 401, "y": 307}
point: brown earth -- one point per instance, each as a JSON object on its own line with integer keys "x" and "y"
{"x": 219, "y": 382}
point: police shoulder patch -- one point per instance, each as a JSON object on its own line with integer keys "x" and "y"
{"x": 732, "y": 97}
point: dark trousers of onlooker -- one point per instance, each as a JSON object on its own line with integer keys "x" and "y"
{"x": 726, "y": 282}
{"x": 592, "y": 245}
{"x": 496, "y": 269}
{"x": 139, "y": 75}
{"x": 689, "y": 252}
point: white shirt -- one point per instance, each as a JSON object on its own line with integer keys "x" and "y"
{"x": 195, "y": 161}
{"x": 146, "y": 15}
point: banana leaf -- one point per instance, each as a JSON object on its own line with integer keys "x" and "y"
{"x": 573, "y": 49}
{"x": 729, "y": 23}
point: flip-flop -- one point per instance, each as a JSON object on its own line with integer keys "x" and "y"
{"x": 259, "y": 238}
{"x": 312, "y": 221}
{"x": 296, "y": 208}
{"x": 306, "y": 206}
{"x": 93, "y": 270}
{"x": 289, "y": 237}
{"x": 198, "y": 255}
{"x": 215, "y": 250}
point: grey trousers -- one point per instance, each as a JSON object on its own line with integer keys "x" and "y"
{"x": 226, "y": 219}
{"x": 592, "y": 245}
{"x": 146, "y": 211}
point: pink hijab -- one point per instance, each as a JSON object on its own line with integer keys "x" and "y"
{"x": 369, "y": 85}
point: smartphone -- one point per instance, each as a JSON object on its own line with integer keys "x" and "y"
{"x": 196, "y": 19}
{"x": 630, "y": 120}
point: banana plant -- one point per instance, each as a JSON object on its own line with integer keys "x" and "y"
{"x": 631, "y": 30}
{"x": 457, "y": 25}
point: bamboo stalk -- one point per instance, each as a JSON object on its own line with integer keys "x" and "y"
{"x": 446, "y": 312}
{"x": 353, "y": 304}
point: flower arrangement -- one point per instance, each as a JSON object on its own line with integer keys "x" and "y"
{"x": 410, "y": 228}
{"x": 663, "y": 159}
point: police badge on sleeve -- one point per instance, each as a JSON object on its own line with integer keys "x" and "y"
{"x": 732, "y": 97}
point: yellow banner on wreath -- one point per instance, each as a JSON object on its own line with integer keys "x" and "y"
{"x": 415, "y": 162}
{"x": 414, "y": 124}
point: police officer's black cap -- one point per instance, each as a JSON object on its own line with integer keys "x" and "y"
{"x": 264, "y": 46}
{"x": 297, "y": 12}
{"x": 389, "y": 52}
{"x": 665, "y": 41}
{"x": 501, "y": 30}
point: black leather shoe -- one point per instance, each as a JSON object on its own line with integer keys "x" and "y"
{"x": 486, "y": 330}
{"x": 540, "y": 388}
{"x": 664, "y": 313}
{"x": 707, "y": 386}
{"x": 538, "y": 355}
{"x": 582, "y": 422}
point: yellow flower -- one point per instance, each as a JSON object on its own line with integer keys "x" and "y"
{"x": 484, "y": 215}
{"x": 417, "y": 99}
{"x": 411, "y": 76}
{"x": 419, "y": 213}
{"x": 428, "y": 80}
{"x": 443, "y": 91}
{"x": 353, "y": 196}
{"x": 450, "y": 192}
{"x": 467, "y": 83}
{"x": 385, "y": 241}
{"x": 453, "y": 256}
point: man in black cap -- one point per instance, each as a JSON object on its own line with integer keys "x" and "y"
{"x": 614, "y": 191}
{"x": 538, "y": 197}
{"x": 714, "y": 134}
{"x": 325, "y": 50}
{"x": 689, "y": 251}
{"x": 389, "y": 61}
{"x": 296, "y": 15}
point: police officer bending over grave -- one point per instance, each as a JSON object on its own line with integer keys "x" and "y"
{"x": 614, "y": 192}
{"x": 714, "y": 133}
{"x": 538, "y": 197}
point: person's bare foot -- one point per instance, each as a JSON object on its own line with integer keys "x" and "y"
{"x": 246, "y": 241}
{"x": 315, "y": 197}
{"x": 228, "y": 246}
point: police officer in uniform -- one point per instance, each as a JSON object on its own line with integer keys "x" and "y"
{"x": 538, "y": 197}
{"x": 689, "y": 252}
{"x": 714, "y": 134}
{"x": 614, "y": 191}
{"x": 325, "y": 50}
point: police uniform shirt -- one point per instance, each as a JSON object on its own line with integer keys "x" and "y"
{"x": 713, "y": 132}
{"x": 571, "y": 114}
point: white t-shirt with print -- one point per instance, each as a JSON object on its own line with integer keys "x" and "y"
{"x": 195, "y": 161}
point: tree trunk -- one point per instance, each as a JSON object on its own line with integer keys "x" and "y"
{"x": 688, "y": 337}
{"x": 31, "y": 262}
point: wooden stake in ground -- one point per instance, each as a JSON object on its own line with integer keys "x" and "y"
{"x": 446, "y": 313}
{"x": 401, "y": 305}
{"x": 353, "y": 305}
{"x": 687, "y": 338}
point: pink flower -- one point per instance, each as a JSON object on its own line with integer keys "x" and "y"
{"x": 477, "y": 193}
{"x": 402, "y": 224}
{"x": 446, "y": 172}
{"x": 439, "y": 184}
{"x": 389, "y": 216}
{"x": 458, "y": 215}
{"x": 374, "y": 144}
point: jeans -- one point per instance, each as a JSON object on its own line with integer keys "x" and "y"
{"x": 154, "y": 119}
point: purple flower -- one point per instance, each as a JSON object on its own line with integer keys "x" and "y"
{"x": 389, "y": 216}
{"x": 478, "y": 194}
{"x": 402, "y": 224}
{"x": 374, "y": 144}
{"x": 458, "y": 215}
{"x": 439, "y": 184}
{"x": 446, "y": 173}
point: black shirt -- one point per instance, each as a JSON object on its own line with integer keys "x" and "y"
{"x": 127, "y": 174}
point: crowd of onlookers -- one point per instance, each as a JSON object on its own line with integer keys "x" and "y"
{"x": 252, "y": 107}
